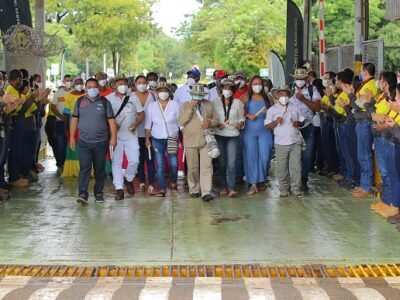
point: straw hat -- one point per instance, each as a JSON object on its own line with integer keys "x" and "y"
{"x": 198, "y": 90}
{"x": 299, "y": 74}
{"x": 163, "y": 85}
{"x": 227, "y": 81}
{"x": 281, "y": 88}
{"x": 114, "y": 80}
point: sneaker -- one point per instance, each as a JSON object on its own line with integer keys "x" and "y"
{"x": 142, "y": 187}
{"x": 119, "y": 195}
{"x": 207, "y": 198}
{"x": 151, "y": 190}
{"x": 99, "y": 198}
{"x": 22, "y": 182}
{"x": 181, "y": 174}
{"x": 195, "y": 195}
{"x": 82, "y": 199}
{"x": 284, "y": 194}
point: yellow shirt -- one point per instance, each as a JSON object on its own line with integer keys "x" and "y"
{"x": 369, "y": 85}
{"x": 381, "y": 105}
{"x": 10, "y": 90}
{"x": 70, "y": 100}
{"x": 29, "y": 112}
{"x": 340, "y": 110}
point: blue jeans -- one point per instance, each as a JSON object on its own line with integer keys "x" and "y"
{"x": 339, "y": 150}
{"x": 364, "y": 154}
{"x": 16, "y": 152}
{"x": 60, "y": 144}
{"x": 240, "y": 157}
{"x": 144, "y": 159}
{"x": 307, "y": 155}
{"x": 228, "y": 147}
{"x": 393, "y": 164}
{"x": 381, "y": 147}
{"x": 160, "y": 149}
{"x": 257, "y": 148}
{"x": 348, "y": 146}
{"x": 92, "y": 154}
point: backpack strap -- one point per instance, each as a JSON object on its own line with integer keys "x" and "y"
{"x": 126, "y": 99}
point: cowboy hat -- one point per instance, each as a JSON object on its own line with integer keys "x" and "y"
{"x": 198, "y": 90}
{"x": 227, "y": 81}
{"x": 299, "y": 74}
{"x": 239, "y": 74}
{"x": 281, "y": 88}
{"x": 163, "y": 85}
{"x": 114, "y": 80}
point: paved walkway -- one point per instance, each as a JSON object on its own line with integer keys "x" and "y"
{"x": 43, "y": 224}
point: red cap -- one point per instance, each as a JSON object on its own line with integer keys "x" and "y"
{"x": 221, "y": 74}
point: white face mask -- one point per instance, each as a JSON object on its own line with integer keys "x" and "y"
{"x": 68, "y": 84}
{"x": 39, "y": 84}
{"x": 102, "y": 82}
{"x": 198, "y": 98}
{"x": 153, "y": 84}
{"x": 163, "y": 95}
{"x": 122, "y": 89}
{"x": 191, "y": 82}
{"x": 257, "y": 88}
{"x": 141, "y": 87}
{"x": 300, "y": 83}
{"x": 79, "y": 87}
{"x": 284, "y": 100}
{"x": 227, "y": 93}
{"x": 325, "y": 82}
{"x": 240, "y": 83}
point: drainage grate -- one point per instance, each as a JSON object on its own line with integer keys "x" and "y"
{"x": 224, "y": 271}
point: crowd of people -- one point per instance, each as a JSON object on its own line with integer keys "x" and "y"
{"x": 339, "y": 126}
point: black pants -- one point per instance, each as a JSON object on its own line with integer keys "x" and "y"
{"x": 92, "y": 154}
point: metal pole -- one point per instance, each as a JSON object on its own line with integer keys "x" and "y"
{"x": 358, "y": 34}
{"x": 39, "y": 25}
{"x": 62, "y": 64}
{"x": 307, "y": 56}
{"x": 322, "y": 62}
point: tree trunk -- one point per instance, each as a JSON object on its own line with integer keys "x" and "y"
{"x": 119, "y": 62}
{"x": 114, "y": 59}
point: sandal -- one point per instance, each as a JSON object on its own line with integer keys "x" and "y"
{"x": 232, "y": 194}
{"x": 160, "y": 194}
{"x": 223, "y": 192}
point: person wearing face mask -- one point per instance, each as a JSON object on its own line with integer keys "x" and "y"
{"x": 230, "y": 113}
{"x": 145, "y": 96}
{"x": 94, "y": 117}
{"x": 56, "y": 132}
{"x": 71, "y": 163}
{"x": 308, "y": 105}
{"x": 215, "y": 92}
{"x": 285, "y": 119}
{"x": 379, "y": 111}
{"x": 104, "y": 89}
{"x": 129, "y": 114}
{"x": 200, "y": 168}
{"x": 182, "y": 94}
{"x": 162, "y": 132}
{"x": 257, "y": 140}
{"x": 152, "y": 79}
{"x": 364, "y": 130}
{"x": 242, "y": 88}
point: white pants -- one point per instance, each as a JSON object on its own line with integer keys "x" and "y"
{"x": 131, "y": 149}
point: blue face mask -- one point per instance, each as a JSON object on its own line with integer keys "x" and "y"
{"x": 93, "y": 92}
{"x": 198, "y": 98}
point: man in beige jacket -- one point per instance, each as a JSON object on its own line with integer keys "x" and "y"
{"x": 200, "y": 169}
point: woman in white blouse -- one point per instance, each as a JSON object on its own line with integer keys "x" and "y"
{"x": 162, "y": 131}
{"x": 230, "y": 113}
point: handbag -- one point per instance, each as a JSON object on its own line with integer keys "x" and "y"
{"x": 172, "y": 142}
{"x": 212, "y": 145}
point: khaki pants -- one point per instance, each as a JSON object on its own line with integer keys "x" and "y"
{"x": 200, "y": 170}
{"x": 288, "y": 167}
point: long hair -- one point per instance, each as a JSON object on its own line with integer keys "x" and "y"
{"x": 391, "y": 79}
{"x": 250, "y": 93}
{"x": 233, "y": 89}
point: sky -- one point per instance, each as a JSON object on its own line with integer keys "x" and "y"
{"x": 171, "y": 13}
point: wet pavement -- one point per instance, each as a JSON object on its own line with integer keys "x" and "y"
{"x": 43, "y": 224}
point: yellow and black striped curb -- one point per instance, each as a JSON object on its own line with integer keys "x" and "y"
{"x": 192, "y": 271}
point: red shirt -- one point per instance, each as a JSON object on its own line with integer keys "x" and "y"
{"x": 105, "y": 93}
{"x": 240, "y": 92}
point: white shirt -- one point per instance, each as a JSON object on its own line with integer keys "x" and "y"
{"x": 127, "y": 117}
{"x": 59, "y": 100}
{"x": 182, "y": 94}
{"x": 236, "y": 115}
{"x": 285, "y": 133}
{"x": 151, "y": 97}
{"x": 304, "y": 109}
{"x": 155, "y": 120}
{"x": 213, "y": 94}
